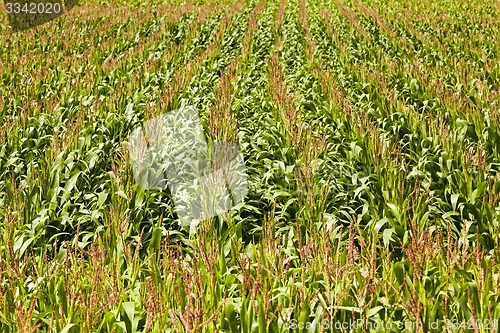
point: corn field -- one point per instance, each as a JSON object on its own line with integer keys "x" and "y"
{"x": 370, "y": 135}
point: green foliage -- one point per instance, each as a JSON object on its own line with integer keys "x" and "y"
{"x": 371, "y": 142}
